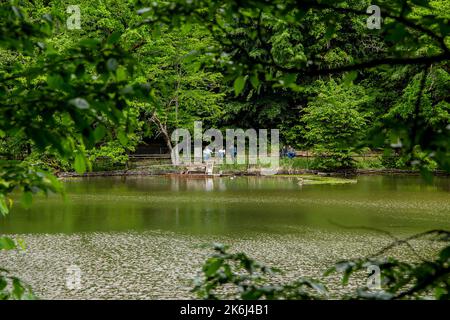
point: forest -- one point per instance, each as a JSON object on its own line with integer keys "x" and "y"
{"x": 354, "y": 88}
{"x": 326, "y": 81}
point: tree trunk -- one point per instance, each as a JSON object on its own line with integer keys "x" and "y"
{"x": 163, "y": 129}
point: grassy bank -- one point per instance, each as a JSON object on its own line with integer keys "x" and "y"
{"x": 288, "y": 167}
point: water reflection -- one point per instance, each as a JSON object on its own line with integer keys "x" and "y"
{"x": 238, "y": 205}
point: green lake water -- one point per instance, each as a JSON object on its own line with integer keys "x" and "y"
{"x": 145, "y": 237}
{"x": 235, "y": 207}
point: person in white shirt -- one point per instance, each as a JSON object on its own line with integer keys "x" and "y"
{"x": 207, "y": 153}
{"x": 221, "y": 153}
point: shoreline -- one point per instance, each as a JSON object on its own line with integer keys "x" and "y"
{"x": 284, "y": 172}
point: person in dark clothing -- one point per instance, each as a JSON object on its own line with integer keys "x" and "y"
{"x": 291, "y": 152}
{"x": 284, "y": 151}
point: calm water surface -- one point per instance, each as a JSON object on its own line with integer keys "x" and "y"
{"x": 239, "y": 206}
{"x": 142, "y": 237}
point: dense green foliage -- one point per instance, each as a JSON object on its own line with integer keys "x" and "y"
{"x": 237, "y": 64}
{"x": 12, "y": 287}
{"x": 249, "y": 280}
{"x": 276, "y": 51}
{"x": 421, "y": 279}
{"x": 138, "y": 69}
{"x": 335, "y": 124}
{"x": 236, "y": 275}
{"x": 58, "y": 101}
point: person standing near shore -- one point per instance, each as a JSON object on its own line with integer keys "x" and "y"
{"x": 207, "y": 153}
{"x": 284, "y": 151}
{"x": 291, "y": 152}
{"x": 221, "y": 154}
{"x": 233, "y": 152}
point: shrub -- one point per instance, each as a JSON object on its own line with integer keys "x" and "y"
{"x": 334, "y": 124}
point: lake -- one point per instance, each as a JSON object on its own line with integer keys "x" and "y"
{"x": 139, "y": 237}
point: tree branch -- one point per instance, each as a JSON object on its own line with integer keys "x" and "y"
{"x": 316, "y": 5}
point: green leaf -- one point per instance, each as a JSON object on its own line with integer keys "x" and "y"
{"x": 288, "y": 79}
{"x": 89, "y": 43}
{"x": 156, "y": 32}
{"x": 196, "y": 66}
{"x": 3, "y": 285}
{"x": 254, "y": 81}
{"x": 239, "y": 84}
{"x": 189, "y": 57}
{"x": 18, "y": 289}
{"x": 7, "y": 243}
{"x": 99, "y": 132}
{"x": 80, "y": 163}
{"x": 252, "y": 295}
{"x": 122, "y": 136}
{"x": 445, "y": 254}
{"x": 21, "y": 243}
{"x": 213, "y": 265}
{"x": 55, "y": 81}
{"x": 114, "y": 37}
{"x": 121, "y": 74}
{"x": 345, "y": 278}
{"x": 4, "y": 210}
{"x": 330, "y": 31}
{"x": 186, "y": 27}
{"x": 396, "y": 32}
{"x": 349, "y": 77}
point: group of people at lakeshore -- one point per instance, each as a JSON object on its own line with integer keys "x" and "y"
{"x": 285, "y": 152}
{"x": 207, "y": 153}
